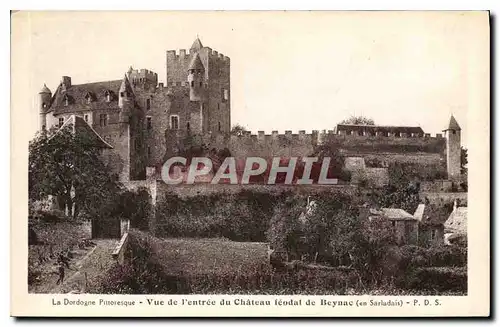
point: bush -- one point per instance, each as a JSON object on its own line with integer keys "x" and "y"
{"x": 447, "y": 255}
{"x": 49, "y": 216}
{"x": 439, "y": 256}
{"x": 137, "y": 207}
{"x": 435, "y": 279}
{"x": 243, "y": 216}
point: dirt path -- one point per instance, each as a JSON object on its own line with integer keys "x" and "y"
{"x": 86, "y": 266}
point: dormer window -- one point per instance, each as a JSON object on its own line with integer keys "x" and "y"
{"x": 89, "y": 97}
{"x": 66, "y": 100}
{"x": 107, "y": 94}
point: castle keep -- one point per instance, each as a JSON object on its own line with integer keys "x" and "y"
{"x": 146, "y": 121}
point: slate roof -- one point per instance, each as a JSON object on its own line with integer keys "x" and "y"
{"x": 45, "y": 89}
{"x": 376, "y": 128}
{"x": 453, "y": 125}
{"x": 196, "y": 63}
{"x": 197, "y": 44}
{"x": 77, "y": 97}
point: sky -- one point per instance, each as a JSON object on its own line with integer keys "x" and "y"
{"x": 289, "y": 70}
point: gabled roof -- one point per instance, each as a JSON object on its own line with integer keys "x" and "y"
{"x": 196, "y": 63}
{"x": 79, "y": 125}
{"x": 78, "y": 101}
{"x": 197, "y": 44}
{"x": 419, "y": 212}
{"x": 453, "y": 125}
{"x": 457, "y": 221}
{"x": 435, "y": 214}
{"x": 396, "y": 214}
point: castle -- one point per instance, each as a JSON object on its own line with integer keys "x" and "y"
{"x": 145, "y": 121}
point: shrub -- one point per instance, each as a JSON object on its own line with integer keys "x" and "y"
{"x": 243, "y": 216}
{"x": 447, "y": 255}
{"x": 435, "y": 279}
{"x": 49, "y": 216}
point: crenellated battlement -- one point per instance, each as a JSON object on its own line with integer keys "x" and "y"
{"x": 303, "y": 143}
{"x": 143, "y": 76}
{"x": 185, "y": 53}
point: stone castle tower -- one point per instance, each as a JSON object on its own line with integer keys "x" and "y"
{"x": 207, "y": 74}
{"x": 453, "y": 148}
{"x": 44, "y": 98}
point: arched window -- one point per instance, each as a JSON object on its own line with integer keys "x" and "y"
{"x": 220, "y": 127}
{"x": 148, "y": 104}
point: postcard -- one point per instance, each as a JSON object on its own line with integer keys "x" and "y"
{"x": 250, "y": 164}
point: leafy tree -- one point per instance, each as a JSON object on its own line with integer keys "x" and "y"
{"x": 403, "y": 188}
{"x": 330, "y": 149}
{"x": 463, "y": 160}
{"x": 284, "y": 230}
{"x": 358, "y": 120}
{"x": 332, "y": 228}
{"x": 238, "y": 130}
{"x": 137, "y": 207}
{"x": 67, "y": 165}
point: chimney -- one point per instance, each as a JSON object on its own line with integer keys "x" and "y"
{"x": 66, "y": 82}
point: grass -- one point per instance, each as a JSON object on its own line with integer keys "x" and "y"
{"x": 219, "y": 266}
{"x": 191, "y": 256}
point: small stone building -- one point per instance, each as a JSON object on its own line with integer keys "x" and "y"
{"x": 404, "y": 225}
{"x": 431, "y": 219}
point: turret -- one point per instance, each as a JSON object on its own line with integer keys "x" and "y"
{"x": 125, "y": 100}
{"x": 196, "y": 76}
{"x": 44, "y": 98}
{"x": 453, "y": 148}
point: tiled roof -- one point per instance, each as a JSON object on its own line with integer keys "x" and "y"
{"x": 376, "y": 128}
{"x": 77, "y": 97}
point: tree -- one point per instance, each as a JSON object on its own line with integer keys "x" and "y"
{"x": 238, "y": 130}
{"x": 463, "y": 160}
{"x": 67, "y": 165}
{"x": 329, "y": 149}
{"x": 403, "y": 188}
{"x": 358, "y": 120}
